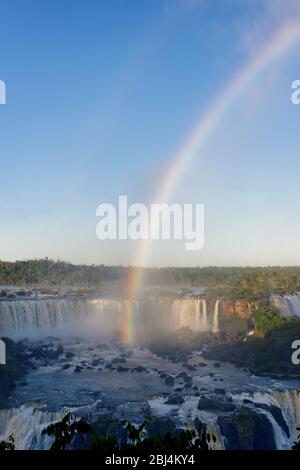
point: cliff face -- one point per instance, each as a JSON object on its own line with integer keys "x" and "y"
{"x": 235, "y": 319}
{"x": 247, "y": 430}
{"x": 241, "y": 308}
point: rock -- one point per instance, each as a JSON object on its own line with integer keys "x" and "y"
{"x": 220, "y": 391}
{"x": 207, "y": 403}
{"x": 174, "y": 401}
{"x": 96, "y": 362}
{"x": 217, "y": 364}
{"x": 140, "y": 369}
{"x": 247, "y": 430}
{"x": 169, "y": 380}
{"x": 69, "y": 355}
{"x": 78, "y": 369}
{"x": 277, "y": 415}
{"x": 188, "y": 385}
{"x": 159, "y": 427}
{"x": 184, "y": 376}
{"x": 66, "y": 366}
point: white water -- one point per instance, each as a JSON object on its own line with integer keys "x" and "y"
{"x": 215, "y": 326}
{"x": 29, "y": 317}
{"x": 289, "y": 403}
{"x": 289, "y": 305}
{"x": 19, "y": 318}
{"x": 191, "y": 313}
{"x": 26, "y": 424}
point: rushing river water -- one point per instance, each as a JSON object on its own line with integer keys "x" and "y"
{"x": 92, "y": 376}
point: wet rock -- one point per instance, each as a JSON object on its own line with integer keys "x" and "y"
{"x": 188, "y": 385}
{"x": 122, "y": 369}
{"x": 207, "y": 403}
{"x": 220, "y": 391}
{"x": 159, "y": 427}
{"x": 184, "y": 376}
{"x": 78, "y": 369}
{"x": 140, "y": 369}
{"x": 169, "y": 380}
{"x": 247, "y": 430}
{"x": 66, "y": 366}
{"x": 277, "y": 415}
{"x": 174, "y": 400}
{"x": 69, "y": 355}
{"x": 96, "y": 362}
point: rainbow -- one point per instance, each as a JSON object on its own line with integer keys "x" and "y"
{"x": 279, "y": 44}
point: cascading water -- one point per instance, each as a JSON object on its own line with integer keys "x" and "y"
{"x": 289, "y": 305}
{"x": 26, "y": 424}
{"x": 282, "y": 408}
{"x": 215, "y": 325}
{"x": 289, "y": 403}
{"x": 189, "y": 313}
{"x": 19, "y": 318}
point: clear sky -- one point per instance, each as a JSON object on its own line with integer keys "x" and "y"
{"x": 100, "y": 96}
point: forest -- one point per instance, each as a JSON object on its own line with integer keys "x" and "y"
{"x": 249, "y": 283}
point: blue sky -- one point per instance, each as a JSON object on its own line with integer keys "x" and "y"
{"x": 101, "y": 94}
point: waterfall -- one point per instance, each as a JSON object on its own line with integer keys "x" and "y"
{"x": 289, "y": 403}
{"x": 190, "y": 313}
{"x": 31, "y": 317}
{"x": 215, "y": 326}
{"x": 26, "y": 424}
{"x": 289, "y": 305}
{"x": 284, "y": 425}
{"x": 37, "y": 317}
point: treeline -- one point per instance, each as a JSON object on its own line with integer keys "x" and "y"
{"x": 248, "y": 283}
{"x": 49, "y": 272}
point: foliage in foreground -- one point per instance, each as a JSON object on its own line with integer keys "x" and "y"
{"x": 65, "y": 430}
{"x": 296, "y": 445}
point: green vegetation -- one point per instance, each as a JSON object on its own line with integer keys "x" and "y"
{"x": 267, "y": 318}
{"x": 49, "y": 272}
{"x": 65, "y": 430}
{"x": 270, "y": 354}
{"x": 232, "y": 283}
